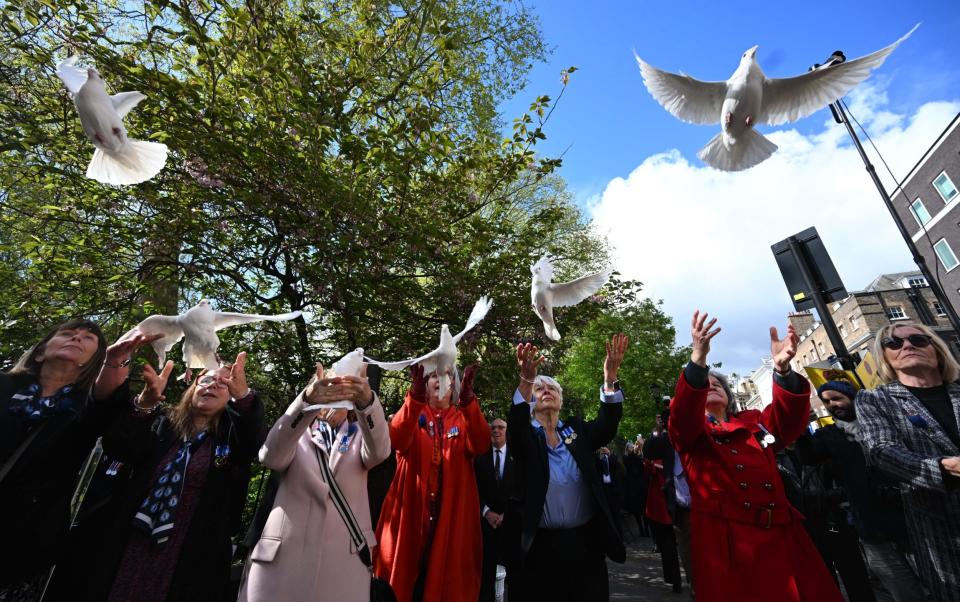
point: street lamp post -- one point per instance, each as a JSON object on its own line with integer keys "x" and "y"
{"x": 840, "y": 116}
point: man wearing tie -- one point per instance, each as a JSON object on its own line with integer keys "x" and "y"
{"x": 499, "y": 507}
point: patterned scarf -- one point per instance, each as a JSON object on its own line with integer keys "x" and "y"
{"x": 30, "y": 406}
{"x": 156, "y": 512}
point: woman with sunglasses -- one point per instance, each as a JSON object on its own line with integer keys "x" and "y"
{"x": 747, "y": 542}
{"x": 909, "y": 425}
{"x": 169, "y": 492}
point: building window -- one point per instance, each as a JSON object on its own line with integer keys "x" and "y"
{"x": 854, "y": 322}
{"x": 912, "y": 282}
{"x": 945, "y": 253}
{"x": 823, "y": 352}
{"x": 919, "y": 212}
{"x": 895, "y": 313}
{"x": 945, "y": 187}
{"x": 842, "y": 329}
{"x": 937, "y": 307}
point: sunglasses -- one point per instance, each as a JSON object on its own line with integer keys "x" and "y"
{"x": 917, "y": 340}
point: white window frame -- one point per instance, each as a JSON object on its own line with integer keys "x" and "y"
{"x": 916, "y": 215}
{"x": 898, "y": 308}
{"x": 854, "y": 322}
{"x": 920, "y": 280}
{"x": 956, "y": 191}
{"x": 842, "y": 329}
{"x": 956, "y": 261}
{"x": 939, "y": 309}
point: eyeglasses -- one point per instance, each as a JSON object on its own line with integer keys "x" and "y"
{"x": 497, "y": 427}
{"x": 209, "y": 380}
{"x": 917, "y": 340}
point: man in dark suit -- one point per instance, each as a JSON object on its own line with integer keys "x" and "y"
{"x": 499, "y": 510}
{"x": 568, "y": 527}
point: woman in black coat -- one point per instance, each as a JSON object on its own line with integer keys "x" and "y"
{"x": 48, "y": 424}
{"x": 168, "y": 495}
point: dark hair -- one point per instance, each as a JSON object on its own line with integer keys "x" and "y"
{"x": 28, "y": 364}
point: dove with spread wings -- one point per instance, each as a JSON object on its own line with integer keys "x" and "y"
{"x": 750, "y": 98}
{"x": 198, "y": 328}
{"x": 545, "y": 294}
{"x": 443, "y": 359}
{"x": 117, "y": 160}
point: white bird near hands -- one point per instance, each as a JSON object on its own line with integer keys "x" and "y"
{"x": 749, "y": 98}
{"x": 198, "y": 328}
{"x": 443, "y": 359}
{"x": 545, "y": 295}
{"x": 117, "y": 159}
{"x": 349, "y": 365}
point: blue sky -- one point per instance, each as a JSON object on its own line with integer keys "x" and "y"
{"x": 619, "y": 141}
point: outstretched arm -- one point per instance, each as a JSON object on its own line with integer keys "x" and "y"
{"x": 689, "y": 401}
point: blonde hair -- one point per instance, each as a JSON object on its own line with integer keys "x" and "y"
{"x": 181, "y": 415}
{"x": 949, "y": 368}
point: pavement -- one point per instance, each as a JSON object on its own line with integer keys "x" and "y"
{"x": 640, "y": 578}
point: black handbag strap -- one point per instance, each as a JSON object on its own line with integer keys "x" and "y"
{"x": 343, "y": 507}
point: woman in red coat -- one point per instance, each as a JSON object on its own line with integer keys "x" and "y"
{"x": 430, "y": 544}
{"x": 747, "y": 541}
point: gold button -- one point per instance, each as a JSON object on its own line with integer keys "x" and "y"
{"x": 768, "y": 486}
{"x": 771, "y": 505}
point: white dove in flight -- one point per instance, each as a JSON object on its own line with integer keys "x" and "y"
{"x": 749, "y": 98}
{"x": 443, "y": 359}
{"x": 198, "y": 328}
{"x": 545, "y": 295}
{"x": 117, "y": 159}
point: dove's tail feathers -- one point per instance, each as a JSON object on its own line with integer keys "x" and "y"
{"x": 137, "y": 162}
{"x": 751, "y": 148}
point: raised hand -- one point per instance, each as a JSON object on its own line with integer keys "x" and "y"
{"x": 701, "y": 336}
{"x": 154, "y": 384}
{"x": 237, "y": 383}
{"x": 466, "y": 385}
{"x": 616, "y": 347}
{"x": 314, "y": 388}
{"x": 783, "y": 350}
{"x": 528, "y": 360}
{"x": 121, "y": 351}
{"x": 418, "y": 388}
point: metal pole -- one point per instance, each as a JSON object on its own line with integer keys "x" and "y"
{"x": 826, "y": 319}
{"x": 841, "y": 117}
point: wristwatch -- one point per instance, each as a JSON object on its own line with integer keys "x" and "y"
{"x": 615, "y": 385}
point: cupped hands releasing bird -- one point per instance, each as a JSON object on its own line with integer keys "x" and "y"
{"x": 443, "y": 359}
{"x": 351, "y": 364}
{"x": 198, "y": 328}
{"x": 545, "y": 294}
{"x": 750, "y": 98}
{"x": 117, "y": 160}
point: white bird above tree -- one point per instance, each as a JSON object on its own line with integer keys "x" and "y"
{"x": 545, "y": 295}
{"x": 117, "y": 159}
{"x": 443, "y": 359}
{"x": 750, "y": 98}
{"x": 198, "y": 328}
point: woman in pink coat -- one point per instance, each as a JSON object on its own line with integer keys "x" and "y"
{"x": 305, "y": 552}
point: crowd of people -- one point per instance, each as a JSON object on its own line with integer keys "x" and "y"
{"x": 749, "y": 505}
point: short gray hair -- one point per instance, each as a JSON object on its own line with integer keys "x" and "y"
{"x": 544, "y": 381}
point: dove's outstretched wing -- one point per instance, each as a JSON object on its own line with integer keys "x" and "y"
{"x": 73, "y": 77}
{"x": 570, "y": 293}
{"x": 423, "y": 359}
{"x": 168, "y": 326}
{"x": 793, "y": 98}
{"x": 686, "y": 98}
{"x": 226, "y": 319}
{"x": 480, "y": 309}
{"x": 123, "y": 102}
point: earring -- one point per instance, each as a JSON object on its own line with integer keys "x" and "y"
{"x": 81, "y": 365}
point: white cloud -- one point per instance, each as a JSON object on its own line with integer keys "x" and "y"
{"x": 699, "y": 238}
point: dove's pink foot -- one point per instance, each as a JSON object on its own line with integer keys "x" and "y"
{"x": 98, "y": 137}
{"x": 749, "y": 120}
{"x": 188, "y": 376}
{"x": 728, "y": 119}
